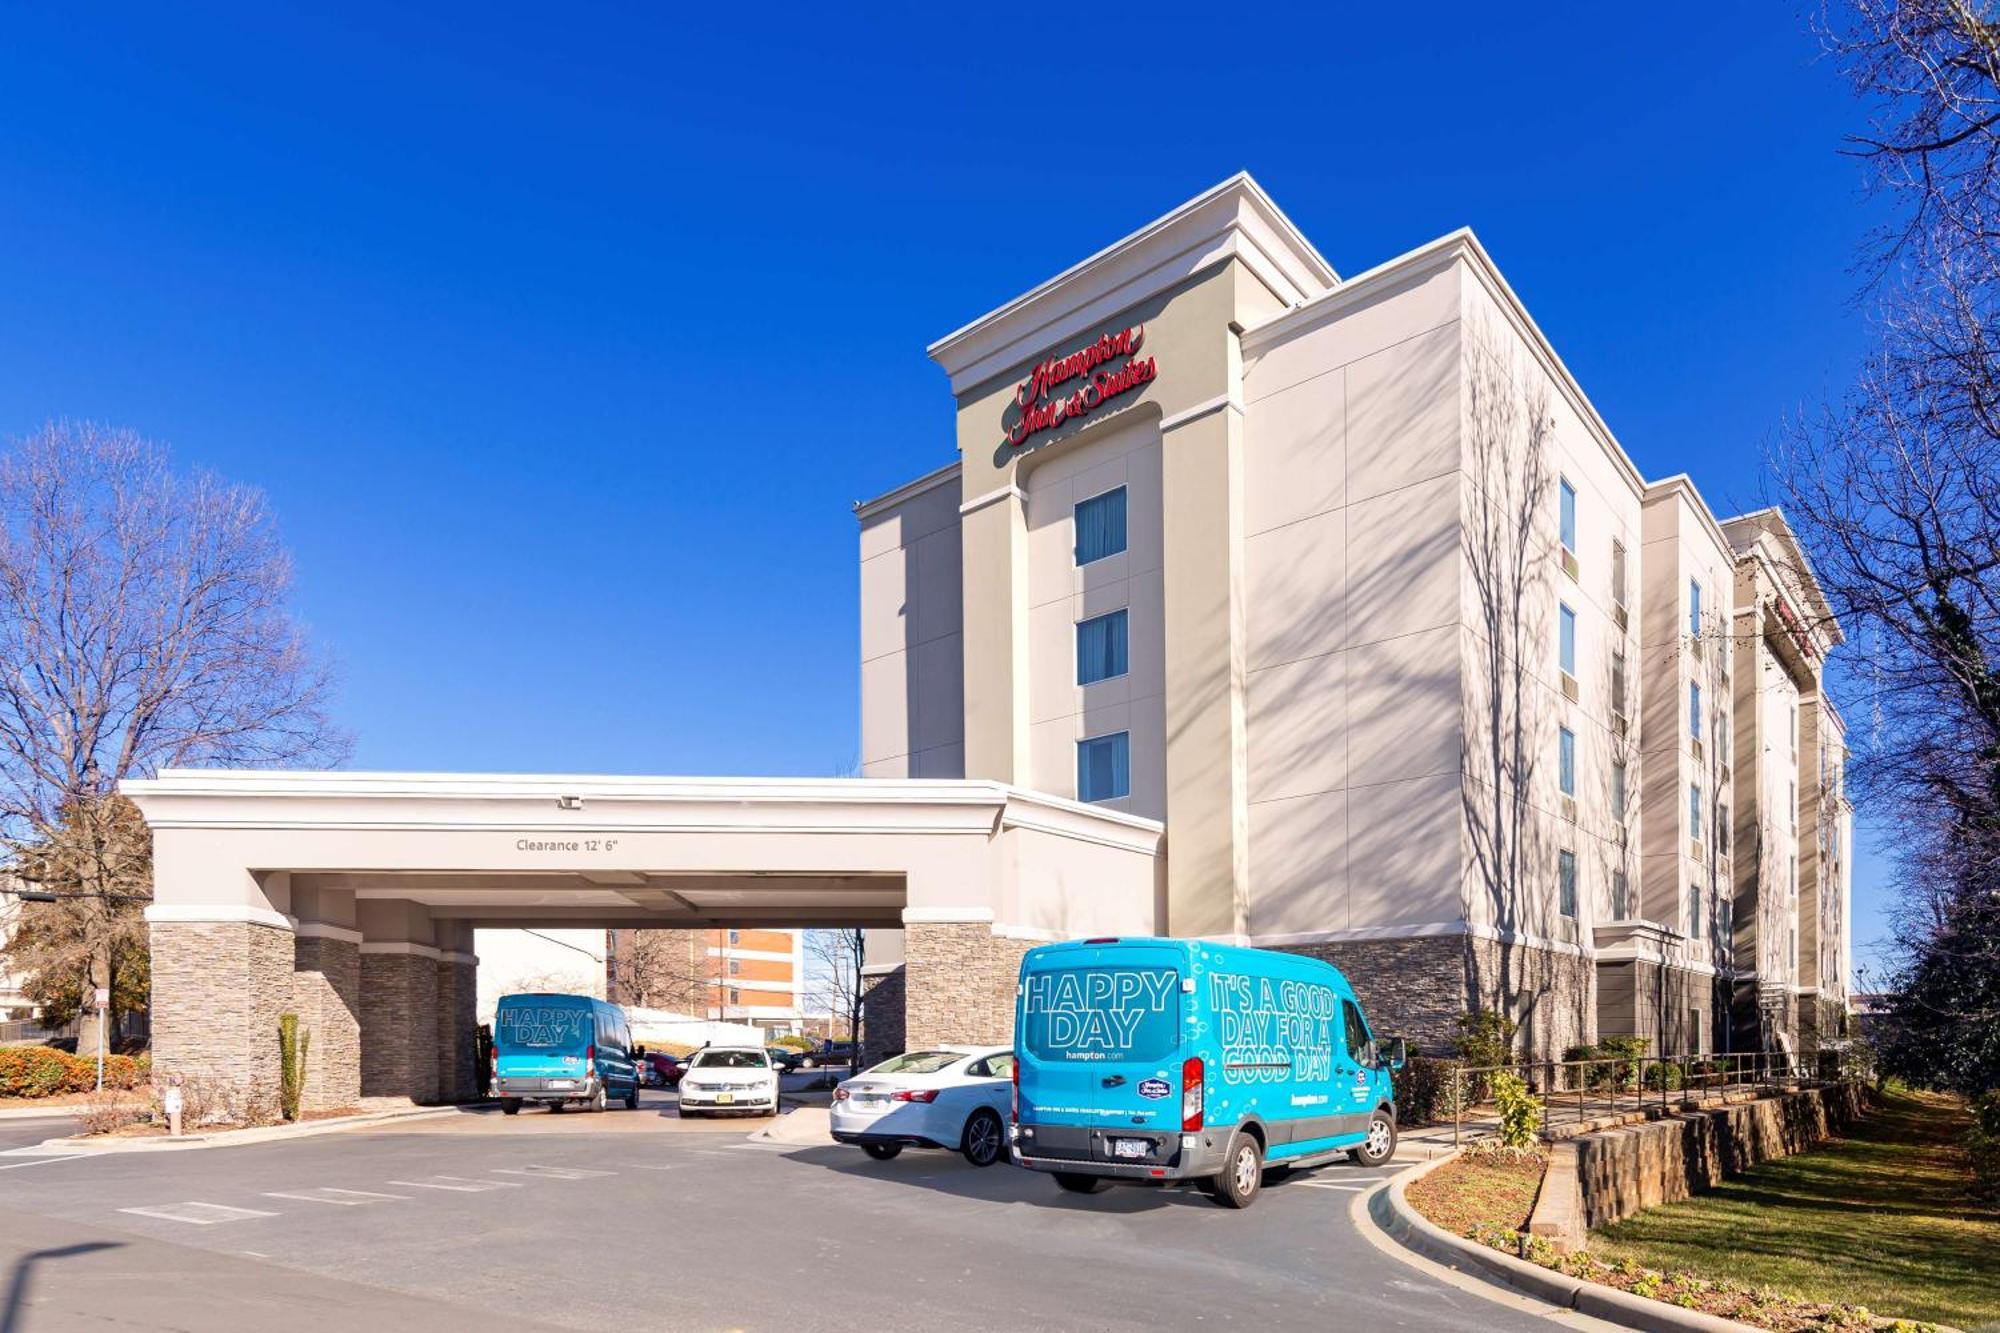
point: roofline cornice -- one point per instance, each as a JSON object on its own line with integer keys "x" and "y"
{"x": 1232, "y": 220}
{"x": 930, "y": 481}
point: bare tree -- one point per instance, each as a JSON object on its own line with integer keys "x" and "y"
{"x": 663, "y": 969}
{"x": 1508, "y": 556}
{"x": 142, "y": 625}
{"x": 833, "y": 970}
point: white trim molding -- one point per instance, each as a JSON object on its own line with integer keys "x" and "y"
{"x": 1200, "y": 410}
{"x": 400, "y": 947}
{"x": 201, "y": 914}
{"x": 1428, "y": 930}
{"x": 947, "y": 916}
{"x": 321, "y": 930}
{"x": 458, "y": 956}
{"x": 993, "y": 496}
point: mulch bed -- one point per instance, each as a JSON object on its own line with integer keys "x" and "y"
{"x": 1494, "y": 1188}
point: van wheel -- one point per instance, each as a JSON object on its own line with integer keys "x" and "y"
{"x": 1076, "y": 1183}
{"x": 1380, "y": 1145}
{"x": 881, "y": 1152}
{"x": 555, "y": 1108}
{"x": 985, "y": 1138}
{"x": 597, "y": 1099}
{"x": 632, "y": 1098}
{"x": 1242, "y": 1173}
{"x": 510, "y": 1106}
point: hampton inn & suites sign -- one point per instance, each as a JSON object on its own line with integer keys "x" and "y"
{"x": 1108, "y": 367}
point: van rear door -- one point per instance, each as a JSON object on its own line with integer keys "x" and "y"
{"x": 1100, "y": 1036}
{"x": 542, "y": 1037}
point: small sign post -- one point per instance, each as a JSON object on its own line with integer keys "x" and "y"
{"x": 103, "y": 1002}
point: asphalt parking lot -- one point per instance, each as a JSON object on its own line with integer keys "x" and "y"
{"x": 571, "y": 1222}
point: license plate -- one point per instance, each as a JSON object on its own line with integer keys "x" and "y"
{"x": 562, "y": 1082}
{"x": 1130, "y": 1147}
{"x": 724, "y": 1098}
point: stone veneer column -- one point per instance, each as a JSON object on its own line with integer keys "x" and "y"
{"x": 959, "y": 980}
{"x": 457, "y": 1017}
{"x": 399, "y": 996}
{"x": 883, "y": 1024}
{"x": 218, "y": 987}
{"x": 326, "y": 995}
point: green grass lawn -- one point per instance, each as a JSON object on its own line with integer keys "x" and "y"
{"x": 1880, "y": 1218}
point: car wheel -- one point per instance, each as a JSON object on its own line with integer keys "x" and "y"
{"x": 1242, "y": 1173}
{"x": 985, "y": 1138}
{"x": 1077, "y": 1183}
{"x": 510, "y": 1106}
{"x": 807, "y": 1063}
{"x": 632, "y": 1097}
{"x": 1380, "y": 1145}
{"x": 686, "y": 1114}
{"x": 881, "y": 1152}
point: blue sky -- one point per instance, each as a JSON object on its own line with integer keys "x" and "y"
{"x": 562, "y": 341}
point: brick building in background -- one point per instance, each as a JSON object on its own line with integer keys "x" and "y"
{"x": 746, "y": 975}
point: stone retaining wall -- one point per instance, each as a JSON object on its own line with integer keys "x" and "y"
{"x": 1621, "y": 1171}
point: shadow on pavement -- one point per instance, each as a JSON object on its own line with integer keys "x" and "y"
{"x": 22, "y": 1277}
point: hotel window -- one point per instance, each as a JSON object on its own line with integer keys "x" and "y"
{"x": 1100, "y": 648}
{"x": 1104, "y": 767}
{"x": 1694, "y": 812}
{"x": 1618, "y": 696}
{"x": 1694, "y": 608}
{"x": 1694, "y": 911}
{"x": 735, "y": 936}
{"x": 735, "y": 967}
{"x": 1568, "y": 641}
{"x": 1792, "y": 809}
{"x": 1621, "y": 897}
{"x": 735, "y": 996}
{"x": 1566, "y": 761}
{"x": 1618, "y": 573}
{"x": 1100, "y": 526}
{"x": 1568, "y": 517}
{"x": 1725, "y": 926}
{"x": 1566, "y": 883}
{"x": 1618, "y": 792}
{"x": 1694, "y": 710}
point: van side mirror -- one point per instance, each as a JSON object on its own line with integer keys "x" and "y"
{"x": 1392, "y": 1051}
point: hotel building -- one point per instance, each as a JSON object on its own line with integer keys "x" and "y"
{"x": 1346, "y": 582}
{"x": 1251, "y": 602}
{"x": 736, "y": 975}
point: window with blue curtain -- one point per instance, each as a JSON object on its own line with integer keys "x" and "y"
{"x": 1104, "y": 767}
{"x": 1568, "y": 644}
{"x": 1100, "y": 526}
{"x": 1569, "y": 517}
{"x": 1100, "y": 648}
{"x": 1694, "y": 608}
{"x": 1566, "y": 883}
{"x": 1694, "y": 710}
{"x": 1566, "y": 767}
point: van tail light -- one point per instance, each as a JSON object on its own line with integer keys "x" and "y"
{"x": 1191, "y": 1090}
{"x": 589, "y": 1058}
{"x": 914, "y": 1095}
{"x": 1017, "y": 1091}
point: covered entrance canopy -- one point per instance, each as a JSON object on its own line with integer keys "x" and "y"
{"x": 350, "y": 898}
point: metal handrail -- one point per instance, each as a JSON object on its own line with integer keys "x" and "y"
{"x": 1695, "y": 1079}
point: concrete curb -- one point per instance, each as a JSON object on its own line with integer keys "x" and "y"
{"x": 805, "y": 1127}
{"x": 226, "y": 1138}
{"x": 1390, "y": 1210}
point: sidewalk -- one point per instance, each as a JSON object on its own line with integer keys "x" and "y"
{"x": 222, "y": 1138}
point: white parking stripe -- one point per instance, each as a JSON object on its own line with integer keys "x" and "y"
{"x": 550, "y": 1172}
{"x": 459, "y": 1183}
{"x": 329, "y": 1194}
{"x": 201, "y": 1214}
{"x": 43, "y": 1161}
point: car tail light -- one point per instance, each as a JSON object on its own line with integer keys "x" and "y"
{"x": 840, "y": 1094}
{"x": 1017, "y": 1090}
{"x": 914, "y": 1095}
{"x": 1191, "y": 1094}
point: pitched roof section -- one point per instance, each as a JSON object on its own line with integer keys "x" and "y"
{"x": 1235, "y": 219}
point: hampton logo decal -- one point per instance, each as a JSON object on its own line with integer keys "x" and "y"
{"x": 1094, "y": 1015}
{"x": 1273, "y": 1033}
{"x": 1109, "y": 367}
{"x": 1153, "y": 1089}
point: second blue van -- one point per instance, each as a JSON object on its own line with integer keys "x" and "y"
{"x": 562, "y": 1050}
{"x": 1161, "y": 1060}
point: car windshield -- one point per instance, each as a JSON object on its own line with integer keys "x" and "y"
{"x": 918, "y": 1062}
{"x": 731, "y": 1060}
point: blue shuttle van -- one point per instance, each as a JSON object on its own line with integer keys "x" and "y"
{"x": 559, "y": 1049}
{"x": 1157, "y": 1060}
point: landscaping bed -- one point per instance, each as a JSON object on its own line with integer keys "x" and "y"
{"x": 1487, "y": 1195}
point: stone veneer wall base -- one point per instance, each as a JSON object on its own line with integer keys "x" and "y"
{"x": 399, "y": 1047}
{"x": 326, "y": 995}
{"x": 218, "y": 989}
{"x": 959, "y": 980}
{"x": 882, "y": 1016}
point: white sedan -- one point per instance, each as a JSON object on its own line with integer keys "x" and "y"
{"x": 951, "y": 1097}
{"x": 729, "y": 1078}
